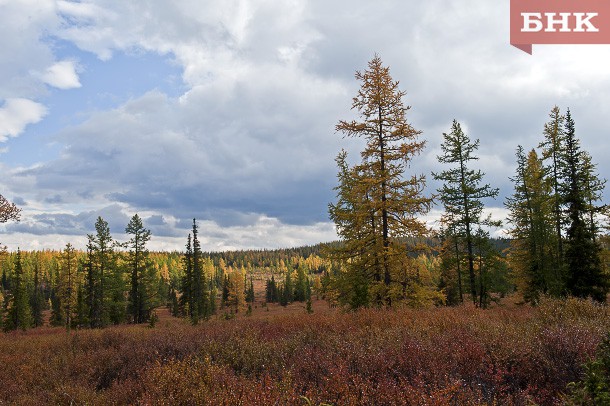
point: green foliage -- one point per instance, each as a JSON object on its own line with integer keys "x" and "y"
{"x": 594, "y": 387}
{"x": 555, "y": 213}
{"x": 378, "y": 203}
{"x": 586, "y": 277}
{"x": 462, "y": 195}
{"x": 142, "y": 292}
{"x": 19, "y": 314}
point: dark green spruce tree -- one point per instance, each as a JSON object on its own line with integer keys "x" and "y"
{"x": 142, "y": 290}
{"x": 186, "y": 298}
{"x": 586, "y": 277}
{"x": 19, "y": 314}
{"x": 100, "y": 289}
{"x": 37, "y": 298}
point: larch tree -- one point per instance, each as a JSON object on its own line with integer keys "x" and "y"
{"x": 378, "y": 204}
{"x": 236, "y": 299}
{"x": 531, "y": 215}
{"x": 552, "y": 154}
{"x": 462, "y": 193}
{"x": 8, "y": 211}
{"x": 141, "y": 292}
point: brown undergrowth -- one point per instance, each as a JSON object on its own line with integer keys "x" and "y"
{"x": 444, "y": 356}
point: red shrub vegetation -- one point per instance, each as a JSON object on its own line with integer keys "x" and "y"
{"x": 445, "y": 356}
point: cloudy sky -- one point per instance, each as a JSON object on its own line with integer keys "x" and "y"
{"x": 224, "y": 111}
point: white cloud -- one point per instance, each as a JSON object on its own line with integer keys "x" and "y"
{"x": 251, "y": 137}
{"x": 62, "y": 75}
{"x": 16, "y": 114}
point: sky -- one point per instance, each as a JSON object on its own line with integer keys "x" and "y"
{"x": 224, "y": 111}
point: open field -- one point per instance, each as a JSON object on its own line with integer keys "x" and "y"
{"x": 506, "y": 355}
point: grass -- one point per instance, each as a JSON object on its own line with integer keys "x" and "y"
{"x": 446, "y": 356}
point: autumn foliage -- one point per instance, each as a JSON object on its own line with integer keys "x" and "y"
{"x": 440, "y": 356}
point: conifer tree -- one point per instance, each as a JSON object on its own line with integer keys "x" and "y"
{"x": 142, "y": 292}
{"x": 287, "y": 291}
{"x": 200, "y": 299}
{"x": 250, "y": 292}
{"x": 37, "y": 298}
{"x": 586, "y": 277}
{"x": 592, "y": 188}
{"x": 67, "y": 292}
{"x": 82, "y": 318}
{"x": 105, "y": 288}
{"x": 225, "y": 291}
{"x": 186, "y": 299}
{"x": 451, "y": 257}
{"x": 213, "y": 294}
{"x": 378, "y": 204}
{"x": 236, "y": 297}
{"x": 19, "y": 313}
{"x": 532, "y": 219}
{"x": 462, "y": 193}
{"x": 91, "y": 286}
{"x": 301, "y": 284}
{"x": 552, "y": 152}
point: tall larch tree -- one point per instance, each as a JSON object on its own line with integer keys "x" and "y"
{"x": 462, "y": 193}
{"x": 552, "y": 154}
{"x": 357, "y": 227}
{"x": 386, "y": 201}
{"x": 37, "y": 298}
{"x": 141, "y": 292}
{"x": 531, "y": 216}
{"x": 586, "y": 277}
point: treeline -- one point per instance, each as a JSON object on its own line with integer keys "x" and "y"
{"x": 114, "y": 282}
{"x": 111, "y": 282}
{"x": 556, "y": 214}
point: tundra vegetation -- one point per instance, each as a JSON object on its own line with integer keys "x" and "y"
{"x": 394, "y": 312}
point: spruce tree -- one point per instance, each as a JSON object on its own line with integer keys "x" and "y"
{"x": 186, "y": 298}
{"x": 105, "y": 290}
{"x": 37, "y": 298}
{"x": 200, "y": 301}
{"x": 586, "y": 277}
{"x": 19, "y": 313}
{"x": 142, "y": 292}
